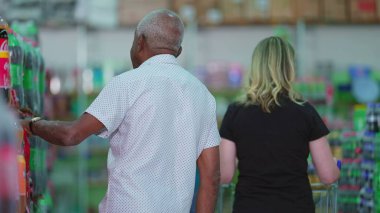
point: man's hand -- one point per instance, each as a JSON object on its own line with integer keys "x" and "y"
{"x": 25, "y": 125}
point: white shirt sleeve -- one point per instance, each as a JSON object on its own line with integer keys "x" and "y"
{"x": 110, "y": 107}
{"x": 212, "y": 137}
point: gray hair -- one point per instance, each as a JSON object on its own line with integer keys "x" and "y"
{"x": 162, "y": 29}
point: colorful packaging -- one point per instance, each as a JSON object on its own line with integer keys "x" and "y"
{"x": 16, "y": 66}
{"x": 8, "y": 162}
{"x": 4, "y": 60}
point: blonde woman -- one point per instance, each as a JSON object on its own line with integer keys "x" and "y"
{"x": 270, "y": 135}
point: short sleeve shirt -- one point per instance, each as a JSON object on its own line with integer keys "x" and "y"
{"x": 159, "y": 119}
{"x": 272, "y": 149}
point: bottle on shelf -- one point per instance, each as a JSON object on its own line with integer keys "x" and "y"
{"x": 368, "y": 145}
{"x": 35, "y": 73}
{"x": 377, "y": 111}
{"x": 28, "y": 82}
{"x": 21, "y": 163}
{"x": 41, "y": 80}
{"x": 4, "y": 61}
{"x": 16, "y": 65}
{"x": 377, "y": 188}
{"x": 8, "y": 161}
{"x": 372, "y": 124}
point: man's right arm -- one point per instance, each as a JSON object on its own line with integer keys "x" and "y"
{"x": 65, "y": 133}
{"x": 209, "y": 169}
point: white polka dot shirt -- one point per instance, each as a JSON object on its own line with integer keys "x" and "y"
{"x": 159, "y": 118}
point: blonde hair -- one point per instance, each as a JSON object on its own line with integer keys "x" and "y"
{"x": 272, "y": 74}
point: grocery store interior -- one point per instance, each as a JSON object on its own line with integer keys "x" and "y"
{"x": 63, "y": 52}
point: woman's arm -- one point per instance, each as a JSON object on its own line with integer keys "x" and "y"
{"x": 325, "y": 164}
{"x": 227, "y": 160}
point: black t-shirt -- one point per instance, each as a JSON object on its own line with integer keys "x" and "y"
{"x": 272, "y": 149}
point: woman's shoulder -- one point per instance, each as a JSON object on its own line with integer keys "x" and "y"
{"x": 240, "y": 105}
{"x": 236, "y": 105}
{"x": 304, "y": 107}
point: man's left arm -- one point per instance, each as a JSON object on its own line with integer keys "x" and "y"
{"x": 65, "y": 133}
{"x": 209, "y": 170}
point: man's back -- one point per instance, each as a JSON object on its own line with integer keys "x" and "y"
{"x": 161, "y": 122}
{"x": 158, "y": 125}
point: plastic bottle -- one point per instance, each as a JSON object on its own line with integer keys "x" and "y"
{"x": 34, "y": 163}
{"x": 377, "y": 110}
{"x": 42, "y": 80}
{"x": 16, "y": 66}
{"x": 372, "y": 124}
{"x": 377, "y": 187}
{"x": 368, "y": 145}
{"x": 8, "y": 161}
{"x": 29, "y": 30}
{"x": 36, "y": 79}
{"x": 21, "y": 167}
{"x": 28, "y": 82}
{"x": 4, "y": 61}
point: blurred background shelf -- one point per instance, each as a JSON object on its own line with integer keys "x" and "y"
{"x": 116, "y": 13}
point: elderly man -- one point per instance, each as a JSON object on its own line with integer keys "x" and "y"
{"x": 161, "y": 123}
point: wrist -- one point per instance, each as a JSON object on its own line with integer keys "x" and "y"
{"x": 31, "y": 123}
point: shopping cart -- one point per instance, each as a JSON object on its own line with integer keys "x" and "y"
{"x": 325, "y": 198}
{"x": 225, "y": 198}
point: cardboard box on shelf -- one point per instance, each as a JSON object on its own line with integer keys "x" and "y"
{"x": 186, "y": 9}
{"x": 257, "y": 10}
{"x": 132, "y": 11}
{"x": 178, "y": 4}
{"x": 203, "y": 7}
{"x": 334, "y": 10}
{"x": 283, "y": 11}
{"x": 309, "y": 10}
{"x": 362, "y": 10}
{"x": 378, "y": 9}
{"x": 232, "y": 11}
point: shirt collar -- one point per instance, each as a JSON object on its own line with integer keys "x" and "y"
{"x": 161, "y": 59}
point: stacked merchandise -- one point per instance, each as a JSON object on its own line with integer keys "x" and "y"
{"x": 350, "y": 174}
{"x": 359, "y": 181}
{"x": 370, "y": 159}
{"x": 22, "y": 84}
{"x": 8, "y": 162}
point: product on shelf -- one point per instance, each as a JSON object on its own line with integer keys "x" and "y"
{"x": 350, "y": 181}
{"x": 372, "y": 118}
{"x": 41, "y": 80}
{"x": 35, "y": 73}
{"x": 376, "y": 180}
{"x": 8, "y": 162}
{"x": 21, "y": 166}
{"x": 16, "y": 66}
{"x": 370, "y": 161}
{"x": 4, "y": 61}
{"x": 28, "y": 82}
{"x": 359, "y": 117}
